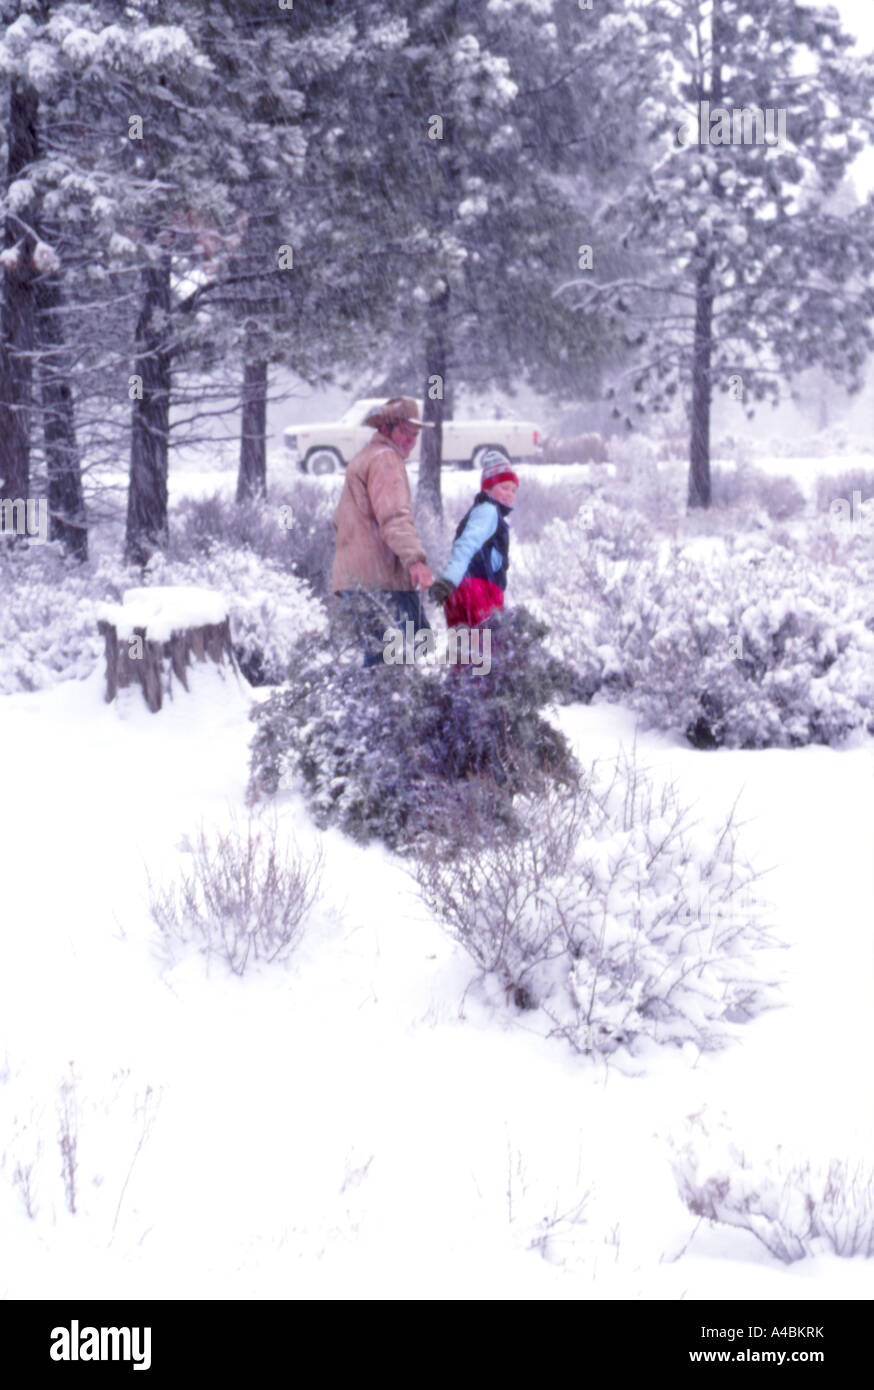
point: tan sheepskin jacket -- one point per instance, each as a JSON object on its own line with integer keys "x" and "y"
{"x": 376, "y": 535}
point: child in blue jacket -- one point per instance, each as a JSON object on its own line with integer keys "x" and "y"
{"x": 473, "y": 582}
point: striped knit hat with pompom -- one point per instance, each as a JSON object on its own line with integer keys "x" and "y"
{"x": 496, "y": 469}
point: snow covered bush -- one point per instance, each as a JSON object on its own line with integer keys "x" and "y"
{"x": 271, "y": 610}
{"x": 243, "y": 898}
{"x": 393, "y": 751}
{"x": 761, "y": 639}
{"x": 595, "y": 581}
{"x": 757, "y": 648}
{"x": 48, "y": 618}
{"x": 793, "y": 1210}
{"x": 48, "y": 627}
{"x": 609, "y": 912}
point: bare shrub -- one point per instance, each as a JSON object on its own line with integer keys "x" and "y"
{"x": 656, "y": 490}
{"x": 306, "y": 506}
{"x": 23, "y": 1179}
{"x": 590, "y": 554}
{"x": 68, "y": 1137}
{"x": 611, "y": 913}
{"x": 291, "y": 528}
{"x": 824, "y": 444}
{"x": 576, "y": 448}
{"x": 243, "y": 898}
{"x": 200, "y": 524}
{"x": 541, "y": 503}
{"x": 145, "y": 1113}
{"x": 831, "y": 488}
{"x": 556, "y": 1232}
{"x": 749, "y": 487}
{"x": 674, "y": 447}
{"x": 795, "y": 1212}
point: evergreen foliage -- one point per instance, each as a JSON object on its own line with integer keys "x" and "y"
{"x": 392, "y": 752}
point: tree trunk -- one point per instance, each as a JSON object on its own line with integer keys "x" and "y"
{"x": 823, "y": 414}
{"x": 252, "y": 476}
{"x": 699, "y": 462}
{"x": 444, "y": 178}
{"x": 699, "y": 451}
{"x": 428, "y": 492}
{"x": 17, "y": 310}
{"x": 67, "y": 519}
{"x": 147, "y": 493}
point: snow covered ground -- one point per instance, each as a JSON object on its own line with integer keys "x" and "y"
{"x": 354, "y": 1123}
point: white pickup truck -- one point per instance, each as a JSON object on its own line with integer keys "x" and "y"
{"x": 328, "y": 448}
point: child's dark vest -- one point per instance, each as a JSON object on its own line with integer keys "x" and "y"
{"x": 481, "y": 565}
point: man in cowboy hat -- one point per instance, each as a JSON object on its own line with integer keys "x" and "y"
{"x": 379, "y": 563}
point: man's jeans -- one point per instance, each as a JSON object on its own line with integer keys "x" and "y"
{"x": 373, "y": 611}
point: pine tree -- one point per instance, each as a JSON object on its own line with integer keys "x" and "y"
{"x": 171, "y": 166}
{"x": 742, "y": 276}
{"x": 34, "y": 354}
{"x": 86, "y": 67}
{"x": 298, "y": 291}
{"x": 484, "y": 215}
{"x": 18, "y": 307}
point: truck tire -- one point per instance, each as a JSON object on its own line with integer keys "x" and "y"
{"x": 321, "y": 461}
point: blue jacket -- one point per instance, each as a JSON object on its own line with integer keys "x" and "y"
{"x": 482, "y": 543}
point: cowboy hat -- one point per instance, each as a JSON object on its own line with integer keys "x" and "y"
{"x": 394, "y": 411}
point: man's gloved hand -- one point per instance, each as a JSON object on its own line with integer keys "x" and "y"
{"x": 440, "y": 591}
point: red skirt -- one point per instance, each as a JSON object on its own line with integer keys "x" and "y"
{"x": 473, "y": 602}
